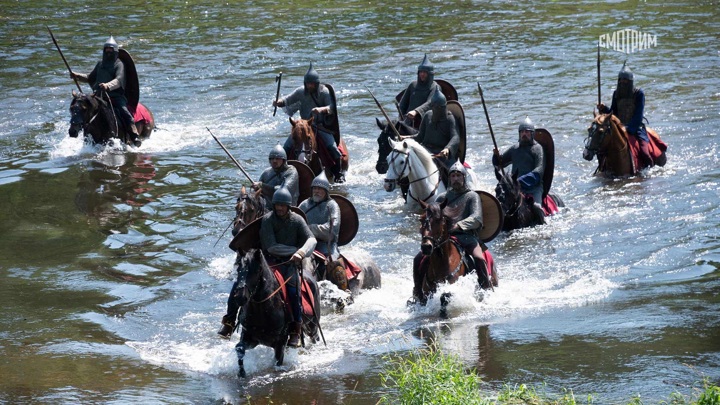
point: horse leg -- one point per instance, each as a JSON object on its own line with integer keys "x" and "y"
{"x": 419, "y": 270}
{"x": 444, "y": 302}
{"x": 279, "y": 353}
{"x": 240, "y": 351}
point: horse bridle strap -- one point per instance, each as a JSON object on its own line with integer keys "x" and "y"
{"x": 276, "y": 290}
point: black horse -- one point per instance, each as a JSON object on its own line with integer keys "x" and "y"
{"x": 94, "y": 115}
{"x": 265, "y": 317}
{"x": 518, "y": 207}
{"x": 384, "y": 147}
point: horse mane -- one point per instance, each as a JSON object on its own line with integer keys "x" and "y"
{"x": 422, "y": 153}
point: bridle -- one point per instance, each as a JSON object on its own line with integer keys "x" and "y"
{"x": 604, "y": 128}
{"x": 406, "y": 165}
{"x": 310, "y": 147}
{"x": 437, "y": 243}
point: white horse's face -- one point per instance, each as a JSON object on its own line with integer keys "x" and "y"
{"x": 398, "y": 165}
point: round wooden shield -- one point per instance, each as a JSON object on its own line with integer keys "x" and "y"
{"x": 249, "y": 237}
{"x": 493, "y": 216}
{"x": 132, "y": 85}
{"x": 306, "y": 177}
{"x": 543, "y": 137}
{"x": 349, "y": 220}
{"x": 457, "y": 111}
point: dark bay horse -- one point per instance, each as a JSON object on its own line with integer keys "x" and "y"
{"x": 249, "y": 207}
{"x": 616, "y": 150}
{"x": 383, "y": 140}
{"x": 441, "y": 259}
{"x": 308, "y": 149}
{"x": 94, "y": 115}
{"x": 265, "y": 315}
{"x": 518, "y": 207}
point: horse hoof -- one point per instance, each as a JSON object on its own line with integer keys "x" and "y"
{"x": 445, "y": 299}
{"x": 241, "y": 373}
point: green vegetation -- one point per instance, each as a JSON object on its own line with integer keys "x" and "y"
{"x": 428, "y": 376}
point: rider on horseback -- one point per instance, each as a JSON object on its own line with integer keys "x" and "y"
{"x": 313, "y": 99}
{"x": 466, "y": 230}
{"x": 416, "y": 99}
{"x": 109, "y": 76}
{"x": 279, "y": 174}
{"x": 323, "y": 217}
{"x": 527, "y": 158}
{"x": 628, "y": 104}
{"x": 286, "y": 240}
{"x": 438, "y": 133}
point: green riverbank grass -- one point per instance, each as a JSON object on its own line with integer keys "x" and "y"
{"x": 428, "y": 376}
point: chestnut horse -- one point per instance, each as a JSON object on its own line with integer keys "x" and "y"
{"x": 441, "y": 258}
{"x": 306, "y": 148}
{"x": 616, "y": 150}
{"x": 94, "y": 115}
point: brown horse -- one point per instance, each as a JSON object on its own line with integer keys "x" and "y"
{"x": 441, "y": 258}
{"x": 96, "y": 118}
{"x": 616, "y": 150}
{"x": 306, "y": 148}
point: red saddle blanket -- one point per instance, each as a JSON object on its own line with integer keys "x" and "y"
{"x": 549, "y": 206}
{"x": 306, "y": 294}
{"x": 657, "y": 146}
{"x": 325, "y": 157}
{"x": 351, "y": 269}
{"x": 141, "y": 113}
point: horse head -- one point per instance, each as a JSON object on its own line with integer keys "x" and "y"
{"x": 398, "y": 161}
{"x": 303, "y": 138}
{"x": 508, "y": 192}
{"x": 82, "y": 109}
{"x": 597, "y": 135}
{"x": 434, "y": 227}
{"x": 386, "y": 135}
{"x": 249, "y": 207}
{"x": 250, "y": 268}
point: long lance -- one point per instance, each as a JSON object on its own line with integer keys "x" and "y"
{"x": 492, "y": 134}
{"x": 385, "y": 114}
{"x": 230, "y": 155}
{"x": 278, "y": 79}
{"x": 63, "y": 58}
{"x": 598, "y": 73}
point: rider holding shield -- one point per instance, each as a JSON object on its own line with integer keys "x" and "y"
{"x": 438, "y": 133}
{"x": 416, "y": 99}
{"x": 109, "y": 76}
{"x": 313, "y": 99}
{"x": 279, "y": 174}
{"x": 628, "y": 104}
{"x": 527, "y": 158}
{"x": 466, "y": 205}
{"x": 286, "y": 240}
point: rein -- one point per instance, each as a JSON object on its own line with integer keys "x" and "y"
{"x": 395, "y": 154}
{"x": 274, "y": 292}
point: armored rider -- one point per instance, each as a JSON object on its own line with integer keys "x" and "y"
{"x": 279, "y": 174}
{"x": 416, "y": 99}
{"x": 323, "y": 217}
{"x": 286, "y": 240}
{"x": 528, "y": 164}
{"x": 313, "y": 99}
{"x": 109, "y": 76}
{"x": 628, "y": 104}
{"x": 439, "y": 134}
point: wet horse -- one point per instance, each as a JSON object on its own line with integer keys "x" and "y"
{"x": 441, "y": 258}
{"x": 94, "y": 115}
{"x": 265, "y": 314}
{"x": 518, "y": 207}
{"x": 383, "y": 140}
{"x": 306, "y": 148}
{"x": 617, "y": 152}
{"x": 249, "y": 207}
{"x": 364, "y": 275}
{"x": 410, "y": 159}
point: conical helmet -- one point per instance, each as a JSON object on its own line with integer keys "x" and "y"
{"x": 110, "y": 43}
{"x": 426, "y": 65}
{"x": 312, "y": 76}
{"x": 278, "y": 152}
{"x": 626, "y": 73}
{"x": 438, "y": 100}
{"x": 321, "y": 181}
{"x": 458, "y": 167}
{"x": 527, "y": 125}
{"x": 282, "y": 196}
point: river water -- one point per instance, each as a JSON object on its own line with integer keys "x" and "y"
{"x": 112, "y": 285}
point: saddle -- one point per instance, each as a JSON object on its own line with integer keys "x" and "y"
{"x": 306, "y": 295}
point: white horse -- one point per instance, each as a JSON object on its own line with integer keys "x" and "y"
{"x": 410, "y": 159}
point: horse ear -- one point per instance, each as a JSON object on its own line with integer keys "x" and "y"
{"x": 595, "y": 113}
{"x": 392, "y": 143}
{"x": 292, "y": 121}
{"x": 309, "y": 121}
{"x": 74, "y": 93}
{"x": 379, "y": 124}
{"x": 242, "y": 190}
{"x": 405, "y": 145}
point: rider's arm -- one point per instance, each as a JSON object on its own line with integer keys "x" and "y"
{"x": 636, "y": 121}
{"x": 309, "y": 246}
{"x": 475, "y": 219}
{"x": 291, "y": 181}
{"x": 454, "y": 143}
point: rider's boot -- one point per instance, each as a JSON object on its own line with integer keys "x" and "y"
{"x": 295, "y": 330}
{"x": 482, "y": 273}
{"x": 228, "y": 326}
{"x": 539, "y": 213}
{"x": 337, "y": 172}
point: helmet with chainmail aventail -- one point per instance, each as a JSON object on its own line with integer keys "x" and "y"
{"x": 321, "y": 181}
{"x": 458, "y": 167}
{"x": 311, "y": 76}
